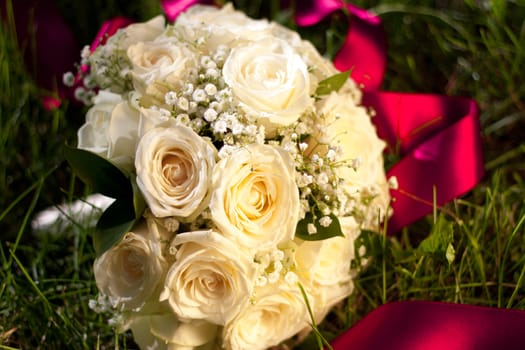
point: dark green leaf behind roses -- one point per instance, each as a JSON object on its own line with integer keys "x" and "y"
{"x": 107, "y": 179}
{"x": 98, "y": 173}
{"x": 313, "y": 216}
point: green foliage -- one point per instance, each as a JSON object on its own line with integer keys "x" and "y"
{"x": 321, "y": 232}
{"x": 467, "y": 48}
{"x": 333, "y": 83}
{"x": 105, "y": 178}
{"x": 439, "y": 241}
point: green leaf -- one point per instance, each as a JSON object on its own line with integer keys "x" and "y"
{"x": 440, "y": 240}
{"x": 107, "y": 179}
{"x": 333, "y": 83}
{"x": 332, "y": 230}
{"x": 99, "y": 173}
{"x": 139, "y": 204}
{"x": 118, "y": 219}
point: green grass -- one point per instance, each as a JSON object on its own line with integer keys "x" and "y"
{"x": 447, "y": 47}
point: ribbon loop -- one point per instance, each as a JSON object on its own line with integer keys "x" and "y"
{"x": 363, "y": 50}
{"x": 439, "y": 140}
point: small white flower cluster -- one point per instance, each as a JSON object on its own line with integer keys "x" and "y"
{"x": 275, "y": 265}
{"x": 109, "y": 68}
{"x": 205, "y": 103}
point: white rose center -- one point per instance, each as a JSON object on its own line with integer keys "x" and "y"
{"x": 133, "y": 265}
{"x": 176, "y": 168}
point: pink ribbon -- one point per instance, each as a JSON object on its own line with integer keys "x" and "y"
{"x": 439, "y": 141}
{"x": 364, "y": 48}
{"x": 55, "y": 47}
{"x": 172, "y": 8}
{"x": 107, "y": 29}
{"x": 423, "y": 325}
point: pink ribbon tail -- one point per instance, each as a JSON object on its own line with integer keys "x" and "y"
{"x": 439, "y": 140}
{"x": 423, "y": 325}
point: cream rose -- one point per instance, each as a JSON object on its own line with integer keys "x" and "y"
{"x": 324, "y": 269}
{"x": 129, "y": 273}
{"x": 319, "y": 67}
{"x": 140, "y": 32}
{"x": 211, "y": 278}
{"x": 255, "y": 200}
{"x": 276, "y": 314}
{"x": 158, "y": 63}
{"x": 111, "y": 129}
{"x": 174, "y": 167}
{"x": 223, "y": 26}
{"x": 93, "y": 136}
{"x": 270, "y": 82}
{"x": 165, "y": 331}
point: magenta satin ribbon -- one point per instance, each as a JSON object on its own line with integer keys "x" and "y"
{"x": 423, "y": 325}
{"x": 439, "y": 142}
{"x": 55, "y": 48}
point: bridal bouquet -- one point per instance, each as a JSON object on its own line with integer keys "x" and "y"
{"x": 242, "y": 168}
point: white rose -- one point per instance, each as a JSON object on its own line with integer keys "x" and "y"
{"x": 159, "y": 63}
{"x": 348, "y": 126}
{"x": 319, "y": 67}
{"x": 165, "y": 332}
{"x": 154, "y": 117}
{"x": 276, "y": 314}
{"x": 324, "y": 269}
{"x": 270, "y": 82}
{"x": 111, "y": 129}
{"x": 211, "y": 278}
{"x": 255, "y": 200}
{"x": 224, "y": 26}
{"x": 92, "y": 136}
{"x": 139, "y": 32}
{"x": 174, "y": 167}
{"x": 129, "y": 273}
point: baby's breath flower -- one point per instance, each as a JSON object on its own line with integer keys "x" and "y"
{"x": 325, "y": 221}
{"x": 207, "y": 62}
{"x": 303, "y": 146}
{"x": 261, "y": 281}
{"x": 210, "y": 115}
{"x": 68, "y": 79}
{"x": 212, "y": 73}
{"x": 273, "y": 276}
{"x": 237, "y": 128}
{"x": 291, "y": 278}
{"x": 187, "y": 89}
{"x": 210, "y": 89}
{"x": 182, "y": 119}
{"x": 330, "y": 155}
{"x": 170, "y": 98}
{"x": 220, "y": 127}
{"x": 392, "y": 182}
{"x": 199, "y": 95}
{"x": 356, "y": 162}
